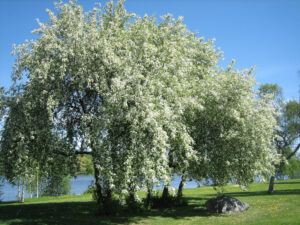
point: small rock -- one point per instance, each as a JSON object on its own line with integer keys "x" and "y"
{"x": 225, "y": 204}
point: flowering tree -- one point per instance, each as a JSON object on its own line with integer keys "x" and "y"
{"x": 127, "y": 91}
{"x": 287, "y": 136}
{"x": 233, "y": 132}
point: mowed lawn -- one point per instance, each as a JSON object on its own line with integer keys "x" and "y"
{"x": 283, "y": 207}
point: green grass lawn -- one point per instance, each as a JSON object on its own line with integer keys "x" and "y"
{"x": 283, "y": 207}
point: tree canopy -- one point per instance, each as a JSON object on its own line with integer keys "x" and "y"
{"x": 145, "y": 97}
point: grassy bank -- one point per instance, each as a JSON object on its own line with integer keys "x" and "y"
{"x": 283, "y": 207}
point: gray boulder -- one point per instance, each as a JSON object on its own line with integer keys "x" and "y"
{"x": 225, "y": 204}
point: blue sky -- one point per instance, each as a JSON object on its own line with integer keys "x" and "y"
{"x": 264, "y": 33}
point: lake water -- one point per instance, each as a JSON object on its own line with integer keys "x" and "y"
{"x": 78, "y": 185}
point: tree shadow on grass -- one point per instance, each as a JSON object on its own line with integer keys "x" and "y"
{"x": 287, "y": 182}
{"x": 78, "y": 213}
{"x": 261, "y": 193}
{"x": 73, "y": 213}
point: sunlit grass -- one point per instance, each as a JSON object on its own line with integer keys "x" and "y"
{"x": 283, "y": 207}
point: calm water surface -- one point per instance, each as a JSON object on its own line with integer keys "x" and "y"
{"x": 78, "y": 185}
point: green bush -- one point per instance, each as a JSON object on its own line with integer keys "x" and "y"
{"x": 56, "y": 185}
{"x": 158, "y": 202}
{"x": 90, "y": 190}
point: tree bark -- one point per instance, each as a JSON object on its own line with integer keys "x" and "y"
{"x": 165, "y": 193}
{"x": 30, "y": 189}
{"x": 180, "y": 188}
{"x": 272, "y": 179}
{"x": 108, "y": 196}
{"x": 271, "y": 185}
{"x": 103, "y": 197}
{"x": 19, "y": 194}
{"x": 131, "y": 198}
{"x": 98, "y": 186}
{"x": 37, "y": 183}
{"x": 148, "y": 196}
{"x": 23, "y": 191}
{"x": 108, "y": 207}
{"x": 293, "y": 152}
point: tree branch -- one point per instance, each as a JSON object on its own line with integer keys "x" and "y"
{"x": 83, "y": 153}
{"x": 76, "y": 153}
{"x": 293, "y": 152}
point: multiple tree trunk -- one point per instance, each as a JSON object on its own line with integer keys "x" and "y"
{"x": 21, "y": 193}
{"x": 105, "y": 200}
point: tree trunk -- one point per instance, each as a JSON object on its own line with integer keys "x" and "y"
{"x": 148, "y": 199}
{"x": 108, "y": 196}
{"x": 131, "y": 201}
{"x": 131, "y": 198}
{"x": 108, "y": 207}
{"x": 165, "y": 193}
{"x": 23, "y": 191}
{"x": 37, "y": 183}
{"x": 104, "y": 201}
{"x": 271, "y": 185}
{"x": 30, "y": 189}
{"x": 19, "y": 193}
{"x": 98, "y": 193}
{"x": 179, "y": 193}
{"x": 149, "y": 194}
